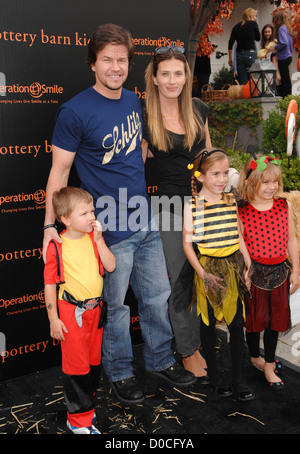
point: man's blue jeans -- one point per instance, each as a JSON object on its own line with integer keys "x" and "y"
{"x": 140, "y": 261}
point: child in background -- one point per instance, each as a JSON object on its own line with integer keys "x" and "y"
{"x": 211, "y": 222}
{"x": 268, "y": 41}
{"x": 267, "y": 35}
{"x": 77, "y": 266}
{"x": 269, "y": 233}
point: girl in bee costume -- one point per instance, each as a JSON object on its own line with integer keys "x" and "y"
{"x": 211, "y": 225}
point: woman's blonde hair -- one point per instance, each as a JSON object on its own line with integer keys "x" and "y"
{"x": 192, "y": 122}
{"x": 280, "y": 18}
{"x": 249, "y": 14}
{"x": 250, "y": 181}
{"x": 202, "y": 163}
{"x": 65, "y": 200}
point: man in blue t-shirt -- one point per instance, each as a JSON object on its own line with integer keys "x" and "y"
{"x": 100, "y": 131}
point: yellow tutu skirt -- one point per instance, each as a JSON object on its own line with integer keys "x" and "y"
{"x": 224, "y": 301}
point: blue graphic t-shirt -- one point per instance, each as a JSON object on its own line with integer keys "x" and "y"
{"x": 106, "y": 136}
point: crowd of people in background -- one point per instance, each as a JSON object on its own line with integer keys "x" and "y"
{"x": 276, "y": 37}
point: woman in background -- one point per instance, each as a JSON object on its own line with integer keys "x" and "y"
{"x": 245, "y": 33}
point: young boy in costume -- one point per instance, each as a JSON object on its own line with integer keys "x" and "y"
{"x": 76, "y": 315}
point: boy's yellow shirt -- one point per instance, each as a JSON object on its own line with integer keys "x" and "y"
{"x": 81, "y": 269}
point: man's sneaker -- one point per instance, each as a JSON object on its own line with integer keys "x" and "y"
{"x": 176, "y": 375}
{"x": 127, "y": 391}
{"x": 91, "y": 430}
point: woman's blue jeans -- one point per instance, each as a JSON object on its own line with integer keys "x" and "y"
{"x": 244, "y": 61}
{"x": 140, "y": 262}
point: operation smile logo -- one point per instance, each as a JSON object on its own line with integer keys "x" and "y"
{"x": 148, "y": 44}
{"x": 19, "y": 304}
{"x": 8, "y": 202}
{"x": 35, "y": 90}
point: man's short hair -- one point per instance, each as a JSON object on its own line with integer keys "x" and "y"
{"x": 109, "y": 34}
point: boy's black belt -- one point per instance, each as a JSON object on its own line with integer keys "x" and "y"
{"x": 88, "y": 304}
{"x": 85, "y": 305}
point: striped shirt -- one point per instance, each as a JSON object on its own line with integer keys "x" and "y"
{"x": 215, "y": 227}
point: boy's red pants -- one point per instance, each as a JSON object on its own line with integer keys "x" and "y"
{"x": 81, "y": 358}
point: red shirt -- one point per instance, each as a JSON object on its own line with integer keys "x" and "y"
{"x": 266, "y": 233}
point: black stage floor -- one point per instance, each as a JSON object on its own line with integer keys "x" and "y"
{"x": 34, "y": 404}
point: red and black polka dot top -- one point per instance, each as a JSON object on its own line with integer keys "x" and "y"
{"x": 266, "y": 233}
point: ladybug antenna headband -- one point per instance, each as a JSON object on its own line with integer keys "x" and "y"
{"x": 261, "y": 164}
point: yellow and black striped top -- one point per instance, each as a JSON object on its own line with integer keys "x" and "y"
{"x": 215, "y": 227}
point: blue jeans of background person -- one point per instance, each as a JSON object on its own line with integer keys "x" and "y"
{"x": 244, "y": 61}
{"x": 140, "y": 261}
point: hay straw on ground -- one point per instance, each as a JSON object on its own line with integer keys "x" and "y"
{"x": 247, "y": 416}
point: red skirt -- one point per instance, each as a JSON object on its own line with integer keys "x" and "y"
{"x": 268, "y": 308}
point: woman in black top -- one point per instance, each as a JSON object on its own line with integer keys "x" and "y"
{"x": 245, "y": 33}
{"x": 175, "y": 130}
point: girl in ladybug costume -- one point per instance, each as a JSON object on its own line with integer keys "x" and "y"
{"x": 269, "y": 234}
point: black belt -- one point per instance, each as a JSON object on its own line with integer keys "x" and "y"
{"x": 86, "y": 305}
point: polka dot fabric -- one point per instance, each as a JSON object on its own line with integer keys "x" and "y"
{"x": 266, "y": 232}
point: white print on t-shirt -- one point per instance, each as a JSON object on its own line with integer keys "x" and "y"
{"x": 127, "y": 137}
